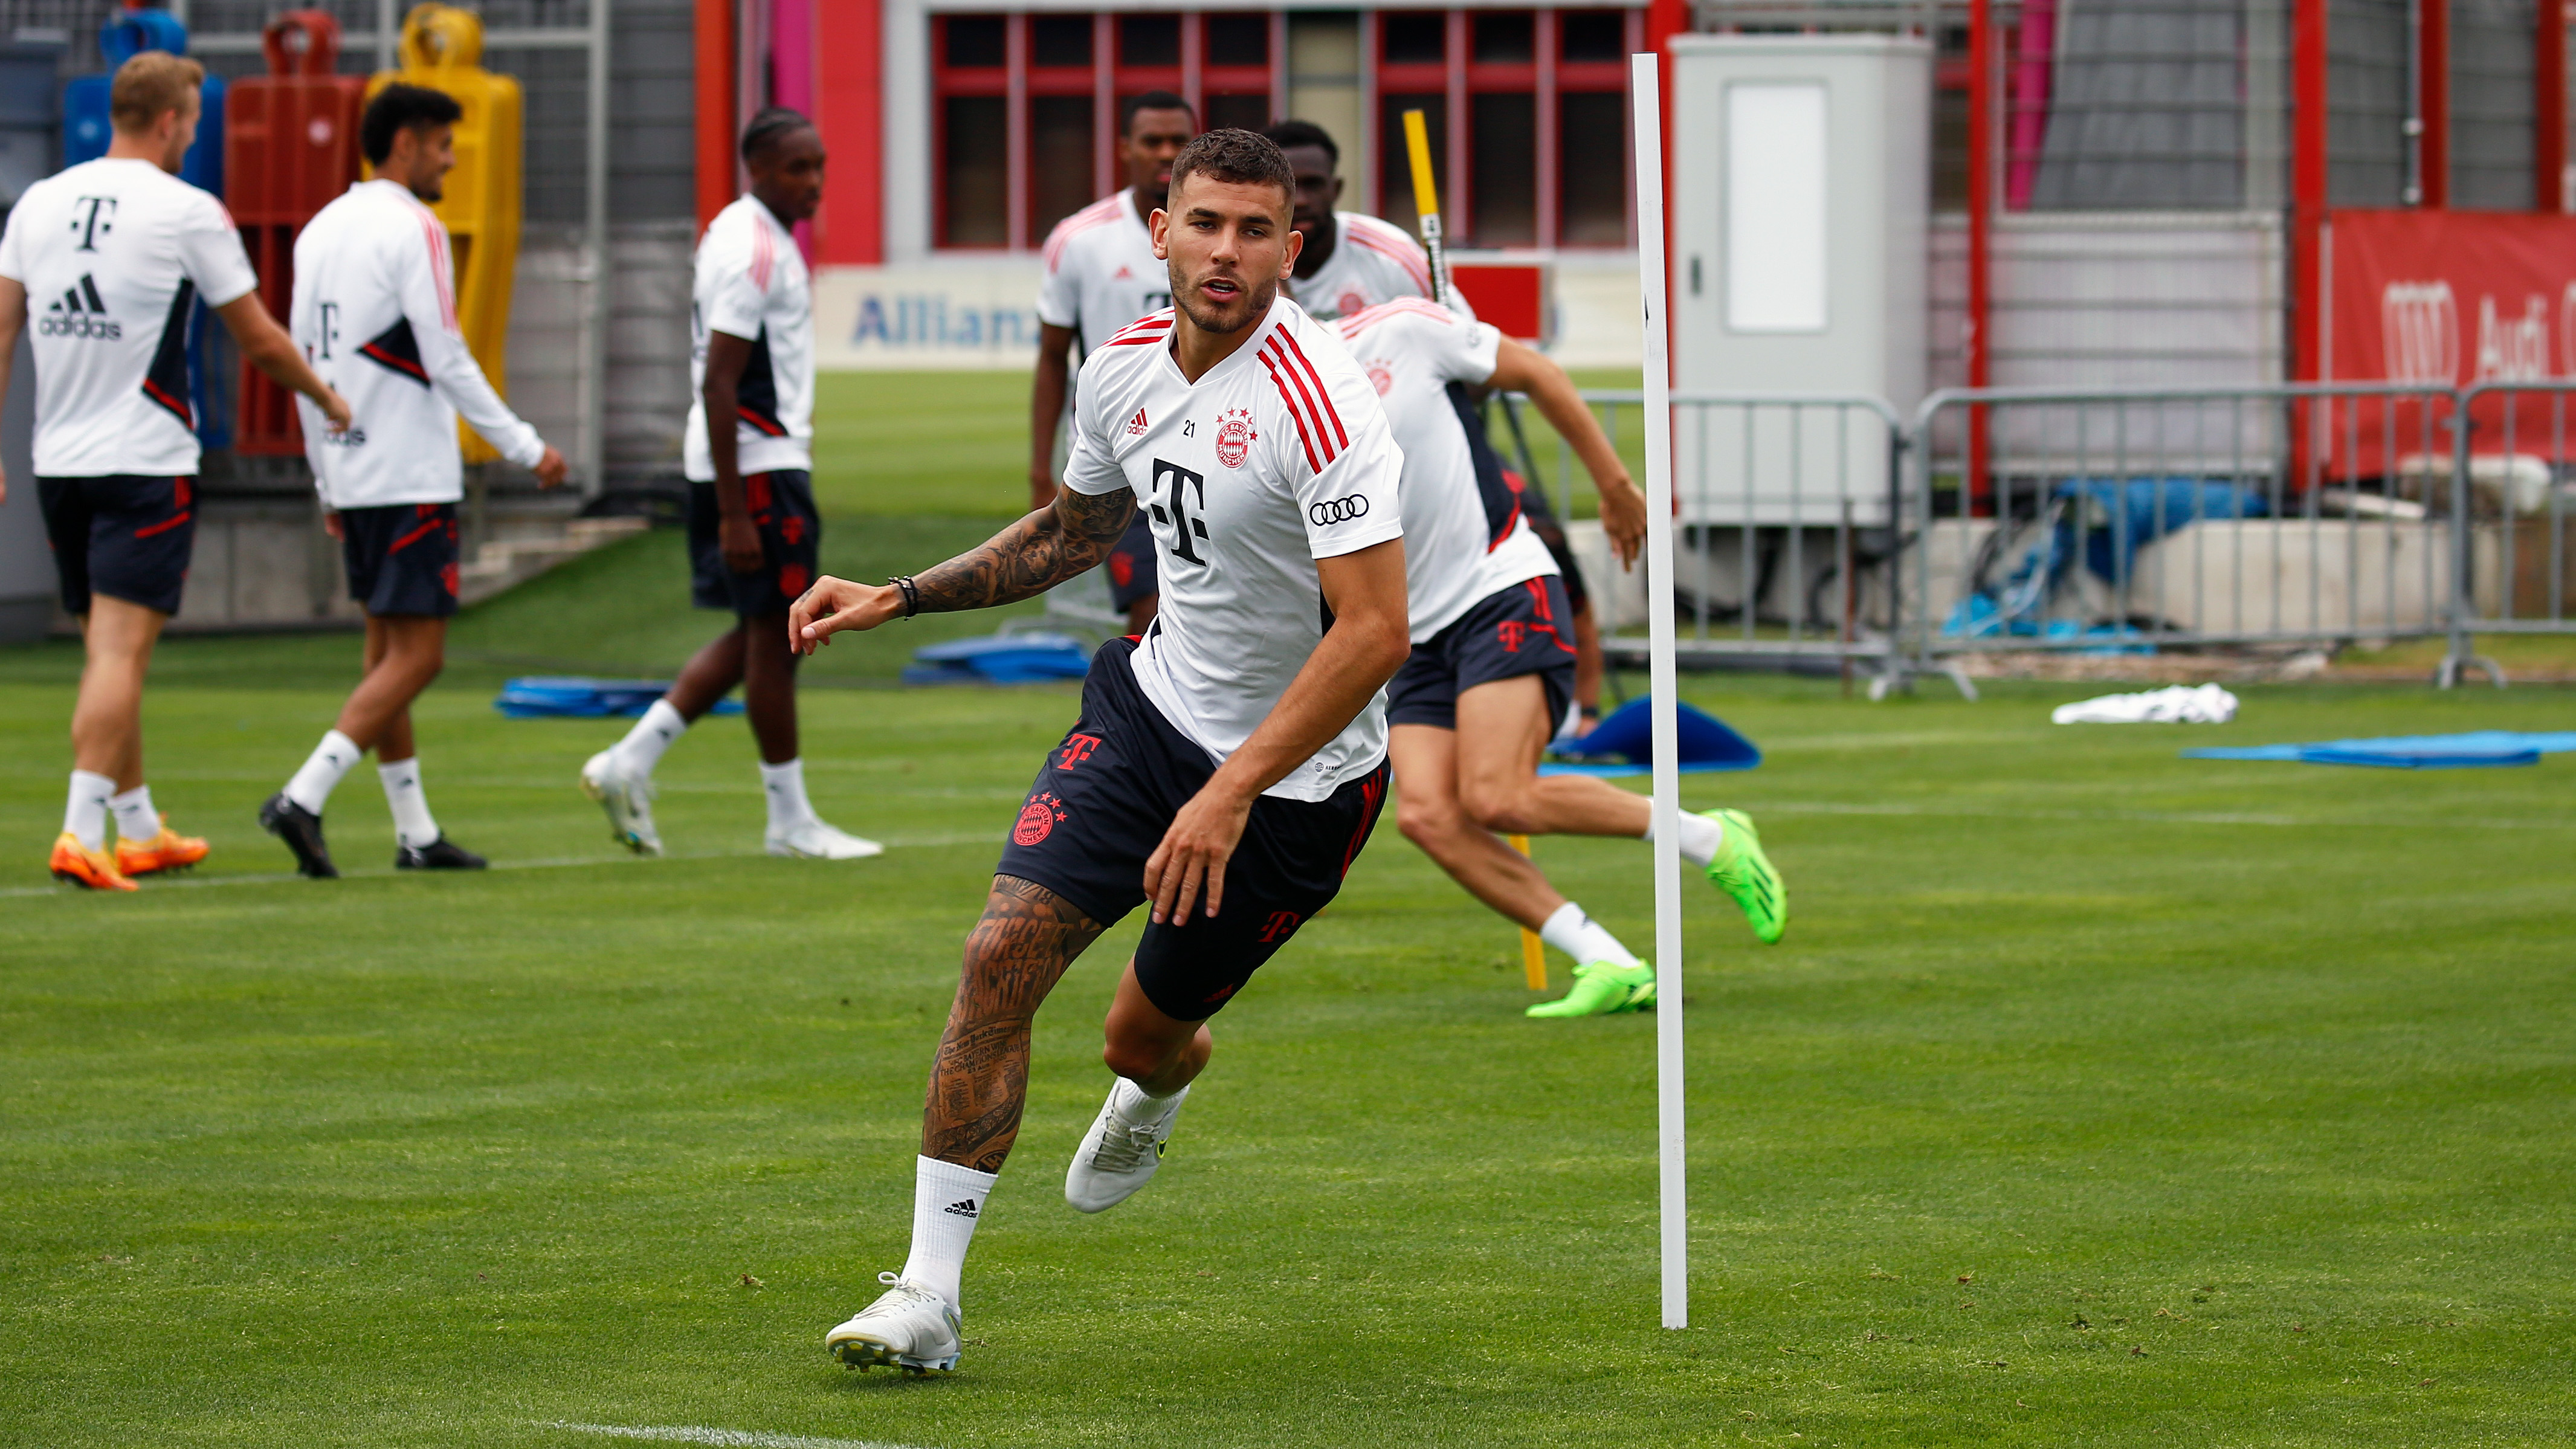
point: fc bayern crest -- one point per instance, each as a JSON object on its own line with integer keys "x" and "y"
{"x": 1380, "y": 378}
{"x": 1234, "y": 436}
{"x": 1037, "y": 819}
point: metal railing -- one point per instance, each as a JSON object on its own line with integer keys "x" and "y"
{"x": 1831, "y": 530}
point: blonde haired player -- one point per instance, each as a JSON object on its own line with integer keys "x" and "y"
{"x": 114, "y": 254}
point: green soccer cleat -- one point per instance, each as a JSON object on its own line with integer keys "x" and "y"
{"x": 1602, "y": 989}
{"x": 1744, "y": 872}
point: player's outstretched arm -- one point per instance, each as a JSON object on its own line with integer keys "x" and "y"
{"x": 1369, "y": 640}
{"x": 1623, "y": 505}
{"x": 1067, "y": 537}
{"x": 269, "y": 349}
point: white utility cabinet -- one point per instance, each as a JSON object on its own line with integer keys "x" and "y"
{"x": 1800, "y": 185}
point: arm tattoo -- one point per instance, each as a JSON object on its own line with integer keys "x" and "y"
{"x": 1055, "y": 543}
{"x": 980, "y": 1078}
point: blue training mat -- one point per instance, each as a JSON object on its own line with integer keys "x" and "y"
{"x": 1000, "y": 659}
{"x": 2409, "y": 752}
{"x": 537, "y": 697}
{"x": 1624, "y": 744}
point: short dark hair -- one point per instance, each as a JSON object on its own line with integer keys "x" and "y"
{"x": 1152, "y": 101}
{"x": 399, "y": 108}
{"x": 771, "y": 126}
{"x": 1246, "y": 158}
{"x": 1284, "y": 134}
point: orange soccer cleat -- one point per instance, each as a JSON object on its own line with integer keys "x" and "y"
{"x": 168, "y": 850}
{"x": 82, "y": 866}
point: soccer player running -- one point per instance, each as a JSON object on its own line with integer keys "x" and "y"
{"x": 117, "y": 251}
{"x": 1492, "y": 669}
{"x": 1101, "y": 273}
{"x": 1347, "y": 260}
{"x": 754, "y": 535}
{"x": 1227, "y": 766}
{"x": 375, "y": 310}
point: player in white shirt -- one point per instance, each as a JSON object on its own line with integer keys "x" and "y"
{"x": 375, "y": 311}
{"x": 1350, "y": 260}
{"x": 755, "y": 537}
{"x": 1492, "y": 670}
{"x": 115, "y": 253}
{"x": 1100, "y": 273}
{"x": 1227, "y": 767}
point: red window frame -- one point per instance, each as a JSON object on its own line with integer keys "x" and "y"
{"x": 1105, "y": 80}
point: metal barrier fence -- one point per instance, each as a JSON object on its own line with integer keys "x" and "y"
{"x": 1828, "y": 530}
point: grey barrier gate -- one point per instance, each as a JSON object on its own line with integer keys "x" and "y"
{"x": 1828, "y": 530}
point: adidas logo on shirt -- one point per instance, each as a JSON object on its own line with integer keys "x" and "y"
{"x": 80, "y": 313}
{"x": 1137, "y": 425}
{"x": 963, "y": 1207}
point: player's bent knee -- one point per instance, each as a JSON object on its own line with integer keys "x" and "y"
{"x": 1503, "y": 811}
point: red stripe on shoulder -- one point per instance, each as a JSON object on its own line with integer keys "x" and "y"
{"x": 1323, "y": 394}
{"x": 1305, "y": 434}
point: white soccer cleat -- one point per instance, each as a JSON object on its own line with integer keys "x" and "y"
{"x": 817, "y": 841}
{"x": 628, "y": 799}
{"x": 909, "y": 1327}
{"x": 1119, "y": 1155}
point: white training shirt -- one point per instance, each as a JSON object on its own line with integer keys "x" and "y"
{"x": 751, "y": 283}
{"x": 114, "y": 254}
{"x": 1101, "y": 272}
{"x": 1276, "y": 457}
{"x": 375, "y": 312}
{"x": 1373, "y": 261}
{"x": 1455, "y": 553}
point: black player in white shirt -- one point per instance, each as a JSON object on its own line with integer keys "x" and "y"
{"x": 755, "y": 537}
{"x": 1493, "y": 663}
{"x": 1227, "y": 767}
{"x": 1099, "y": 274}
{"x": 375, "y": 309}
{"x": 116, "y": 253}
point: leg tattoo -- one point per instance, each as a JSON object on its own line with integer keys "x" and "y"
{"x": 980, "y": 1078}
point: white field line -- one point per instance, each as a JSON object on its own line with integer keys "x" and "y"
{"x": 735, "y": 1438}
{"x": 891, "y": 842}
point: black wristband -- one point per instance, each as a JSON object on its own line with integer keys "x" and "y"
{"x": 911, "y": 595}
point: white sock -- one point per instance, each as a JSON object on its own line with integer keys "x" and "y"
{"x": 1583, "y": 938}
{"x": 642, "y": 748}
{"x": 85, "y": 812}
{"x": 1134, "y": 1104}
{"x": 785, "y": 787}
{"x": 136, "y": 820}
{"x": 413, "y": 825}
{"x": 1701, "y": 838}
{"x": 312, "y": 785}
{"x": 947, "y": 1201}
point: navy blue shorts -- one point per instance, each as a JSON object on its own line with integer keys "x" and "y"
{"x": 1525, "y": 629}
{"x": 401, "y": 558}
{"x": 1101, "y": 804}
{"x": 1131, "y": 565}
{"x": 791, "y": 545}
{"x": 120, "y": 534}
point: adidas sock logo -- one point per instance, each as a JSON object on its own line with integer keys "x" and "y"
{"x": 963, "y": 1207}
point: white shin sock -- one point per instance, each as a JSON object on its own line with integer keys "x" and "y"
{"x": 331, "y": 759}
{"x": 785, "y": 787}
{"x": 1583, "y": 938}
{"x": 85, "y": 810}
{"x": 947, "y": 1201}
{"x": 136, "y": 820}
{"x": 413, "y": 824}
{"x": 642, "y": 748}
{"x": 1702, "y": 838}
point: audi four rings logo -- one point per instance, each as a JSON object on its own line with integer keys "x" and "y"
{"x": 1339, "y": 510}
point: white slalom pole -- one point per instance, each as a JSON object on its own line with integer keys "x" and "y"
{"x": 1674, "y": 1209}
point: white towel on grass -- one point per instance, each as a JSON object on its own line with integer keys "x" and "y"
{"x": 2175, "y": 704}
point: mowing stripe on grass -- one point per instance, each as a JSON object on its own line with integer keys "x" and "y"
{"x": 734, "y": 1438}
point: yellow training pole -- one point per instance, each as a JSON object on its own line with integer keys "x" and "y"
{"x": 1426, "y": 204}
{"x": 1533, "y": 951}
